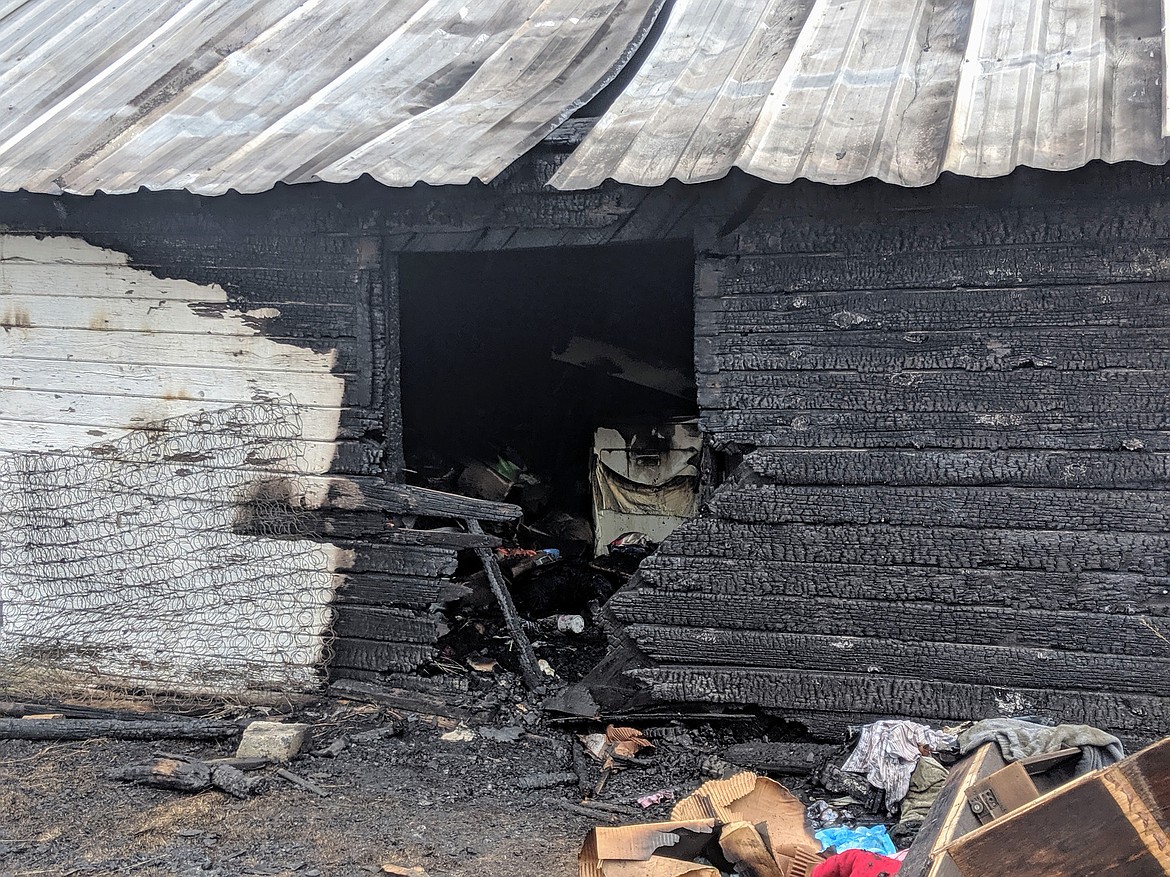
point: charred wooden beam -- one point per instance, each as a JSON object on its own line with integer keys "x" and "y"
{"x": 86, "y": 729}
{"x": 499, "y": 585}
{"x": 404, "y": 499}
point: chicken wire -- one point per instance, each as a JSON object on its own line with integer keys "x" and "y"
{"x": 168, "y": 559}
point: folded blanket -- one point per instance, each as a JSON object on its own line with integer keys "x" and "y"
{"x": 1018, "y": 739}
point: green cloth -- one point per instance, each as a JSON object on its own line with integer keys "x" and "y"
{"x": 925, "y": 784}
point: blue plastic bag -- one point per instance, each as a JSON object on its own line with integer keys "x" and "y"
{"x": 871, "y": 838}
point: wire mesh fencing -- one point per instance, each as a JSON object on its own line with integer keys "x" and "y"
{"x": 173, "y": 558}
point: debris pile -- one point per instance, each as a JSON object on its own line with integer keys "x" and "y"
{"x": 746, "y": 823}
{"x": 708, "y": 796}
{"x": 565, "y": 551}
{"x": 1000, "y": 796}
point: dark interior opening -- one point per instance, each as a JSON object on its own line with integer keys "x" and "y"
{"x": 485, "y": 338}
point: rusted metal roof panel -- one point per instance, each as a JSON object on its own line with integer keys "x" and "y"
{"x": 900, "y": 90}
{"x": 212, "y": 95}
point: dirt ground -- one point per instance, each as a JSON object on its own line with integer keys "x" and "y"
{"x": 452, "y": 808}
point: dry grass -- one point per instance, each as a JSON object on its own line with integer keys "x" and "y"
{"x": 158, "y": 825}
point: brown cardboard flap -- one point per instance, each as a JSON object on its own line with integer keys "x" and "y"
{"x": 758, "y": 800}
{"x": 680, "y": 839}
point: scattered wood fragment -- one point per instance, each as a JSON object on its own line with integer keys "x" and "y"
{"x": 186, "y": 775}
{"x": 547, "y": 780}
{"x": 404, "y": 870}
{"x": 417, "y": 702}
{"x": 75, "y": 711}
{"x": 139, "y": 729}
{"x": 581, "y": 767}
{"x": 358, "y": 492}
{"x": 529, "y": 670}
{"x": 601, "y": 783}
{"x": 584, "y": 810}
{"x": 308, "y": 785}
{"x": 789, "y": 759}
{"x": 334, "y": 749}
{"x": 392, "y": 728}
{"x": 247, "y": 762}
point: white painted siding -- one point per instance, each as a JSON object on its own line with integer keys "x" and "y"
{"x": 146, "y": 429}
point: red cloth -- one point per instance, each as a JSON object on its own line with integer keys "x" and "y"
{"x": 856, "y": 863}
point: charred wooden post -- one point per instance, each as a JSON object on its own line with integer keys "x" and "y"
{"x": 499, "y": 586}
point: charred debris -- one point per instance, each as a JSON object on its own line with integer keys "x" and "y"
{"x": 672, "y": 797}
{"x": 560, "y": 384}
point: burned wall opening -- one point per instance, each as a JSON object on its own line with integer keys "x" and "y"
{"x": 514, "y": 360}
{"x": 514, "y": 363}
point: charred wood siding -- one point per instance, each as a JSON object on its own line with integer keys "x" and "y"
{"x": 271, "y": 283}
{"x": 310, "y": 269}
{"x": 956, "y": 505}
{"x": 142, "y": 419}
{"x": 284, "y": 261}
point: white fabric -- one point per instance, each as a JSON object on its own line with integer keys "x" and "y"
{"x": 888, "y": 751}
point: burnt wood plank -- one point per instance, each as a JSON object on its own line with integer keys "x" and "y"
{"x": 375, "y": 589}
{"x": 990, "y": 348}
{"x": 357, "y": 458}
{"x": 440, "y": 538}
{"x": 407, "y": 560}
{"x": 1018, "y": 468}
{"x": 1086, "y": 590}
{"x": 790, "y": 759}
{"x": 735, "y": 305}
{"x": 390, "y": 322}
{"x": 1011, "y": 666}
{"x": 1031, "y": 508}
{"x": 938, "y": 547}
{"x": 401, "y": 539}
{"x": 409, "y": 500}
{"x": 1068, "y": 394}
{"x": 118, "y": 729}
{"x": 386, "y": 625}
{"x": 801, "y": 691}
{"x": 937, "y": 224}
{"x": 377, "y": 657}
{"x": 911, "y": 621}
{"x": 976, "y": 430}
{"x": 970, "y": 267}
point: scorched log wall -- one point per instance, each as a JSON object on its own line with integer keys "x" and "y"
{"x": 265, "y": 284}
{"x": 953, "y": 503}
{"x": 144, "y": 424}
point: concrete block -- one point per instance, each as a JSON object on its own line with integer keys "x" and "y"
{"x": 276, "y": 741}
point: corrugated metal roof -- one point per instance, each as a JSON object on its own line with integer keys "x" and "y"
{"x": 902, "y": 90}
{"x": 211, "y": 95}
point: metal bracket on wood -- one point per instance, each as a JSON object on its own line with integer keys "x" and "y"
{"x": 499, "y": 585}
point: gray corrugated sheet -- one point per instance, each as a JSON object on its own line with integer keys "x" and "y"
{"x": 901, "y": 90}
{"x": 211, "y": 95}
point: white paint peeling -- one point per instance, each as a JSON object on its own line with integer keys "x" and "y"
{"x": 263, "y": 313}
{"x": 149, "y": 438}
